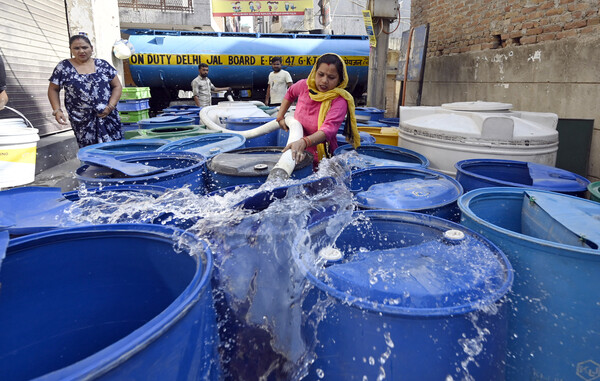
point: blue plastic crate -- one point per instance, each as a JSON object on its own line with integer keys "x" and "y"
{"x": 133, "y": 105}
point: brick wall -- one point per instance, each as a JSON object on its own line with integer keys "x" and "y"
{"x": 458, "y": 26}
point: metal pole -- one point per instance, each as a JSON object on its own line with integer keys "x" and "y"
{"x": 378, "y": 65}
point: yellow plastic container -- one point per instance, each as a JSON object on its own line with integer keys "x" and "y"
{"x": 382, "y": 135}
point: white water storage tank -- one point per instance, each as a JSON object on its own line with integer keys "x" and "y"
{"x": 472, "y": 130}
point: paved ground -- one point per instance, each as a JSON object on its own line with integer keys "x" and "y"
{"x": 57, "y": 161}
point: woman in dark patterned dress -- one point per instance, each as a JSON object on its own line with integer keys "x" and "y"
{"x": 92, "y": 90}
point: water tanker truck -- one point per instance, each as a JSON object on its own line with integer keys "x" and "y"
{"x": 167, "y": 61}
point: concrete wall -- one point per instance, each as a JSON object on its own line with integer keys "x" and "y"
{"x": 546, "y": 58}
{"x": 199, "y": 19}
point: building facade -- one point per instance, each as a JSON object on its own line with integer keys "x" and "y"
{"x": 537, "y": 55}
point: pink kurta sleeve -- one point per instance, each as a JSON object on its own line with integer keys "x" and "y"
{"x": 294, "y": 91}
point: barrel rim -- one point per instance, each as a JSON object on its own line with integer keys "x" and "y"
{"x": 372, "y": 306}
{"x": 383, "y": 147}
{"x": 102, "y": 148}
{"x": 125, "y": 348}
{"x": 464, "y": 201}
{"x": 459, "y": 165}
{"x": 168, "y": 174}
{"x": 179, "y": 145}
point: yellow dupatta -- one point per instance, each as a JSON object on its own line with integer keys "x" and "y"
{"x": 326, "y": 98}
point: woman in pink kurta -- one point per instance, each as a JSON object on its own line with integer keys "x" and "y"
{"x": 322, "y": 104}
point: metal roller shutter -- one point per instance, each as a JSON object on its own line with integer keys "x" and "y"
{"x": 33, "y": 39}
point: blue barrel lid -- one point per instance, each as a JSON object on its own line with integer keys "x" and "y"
{"x": 523, "y": 174}
{"x": 368, "y": 110}
{"x": 180, "y": 108}
{"x": 167, "y": 119}
{"x": 207, "y": 145}
{"x": 258, "y": 120}
{"x": 169, "y": 163}
{"x": 392, "y": 122}
{"x": 121, "y": 147}
{"x": 370, "y": 123}
{"x": 46, "y": 204}
{"x": 554, "y": 217}
{"x": 180, "y": 113}
{"x": 251, "y": 162}
{"x": 373, "y": 155}
{"x": 50, "y": 205}
{"x": 568, "y": 215}
{"x": 403, "y": 188}
{"x": 365, "y": 138}
{"x": 409, "y": 263}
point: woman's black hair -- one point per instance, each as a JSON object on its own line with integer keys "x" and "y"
{"x": 332, "y": 59}
{"x": 79, "y": 37}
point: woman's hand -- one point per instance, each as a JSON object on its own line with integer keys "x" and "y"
{"x": 107, "y": 110}
{"x": 297, "y": 148}
{"x": 60, "y": 117}
{"x": 282, "y": 124}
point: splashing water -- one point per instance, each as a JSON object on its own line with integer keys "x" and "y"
{"x": 262, "y": 258}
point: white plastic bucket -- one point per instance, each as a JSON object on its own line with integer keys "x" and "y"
{"x": 18, "y": 146}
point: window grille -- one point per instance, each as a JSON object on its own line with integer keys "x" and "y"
{"x": 163, "y": 5}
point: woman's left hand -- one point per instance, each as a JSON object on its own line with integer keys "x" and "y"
{"x": 107, "y": 110}
{"x": 297, "y": 148}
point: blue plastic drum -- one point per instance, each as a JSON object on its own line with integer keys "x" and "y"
{"x": 249, "y": 123}
{"x": 108, "y": 302}
{"x": 405, "y": 295}
{"x": 390, "y": 122}
{"x": 552, "y": 241}
{"x": 173, "y": 170}
{"x": 195, "y": 115}
{"x": 166, "y": 121}
{"x": 249, "y": 165}
{"x": 365, "y": 139}
{"x": 480, "y": 173}
{"x": 371, "y": 123}
{"x": 411, "y": 189}
{"x": 368, "y": 113}
{"x": 51, "y": 204}
{"x": 121, "y": 147}
{"x": 207, "y": 145}
{"x": 383, "y": 155}
{"x": 182, "y": 108}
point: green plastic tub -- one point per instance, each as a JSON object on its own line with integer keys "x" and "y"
{"x": 169, "y": 133}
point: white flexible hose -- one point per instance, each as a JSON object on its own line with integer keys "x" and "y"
{"x": 248, "y": 134}
{"x": 257, "y": 103}
{"x": 285, "y": 163}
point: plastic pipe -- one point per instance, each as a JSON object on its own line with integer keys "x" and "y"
{"x": 248, "y": 134}
{"x": 285, "y": 166}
